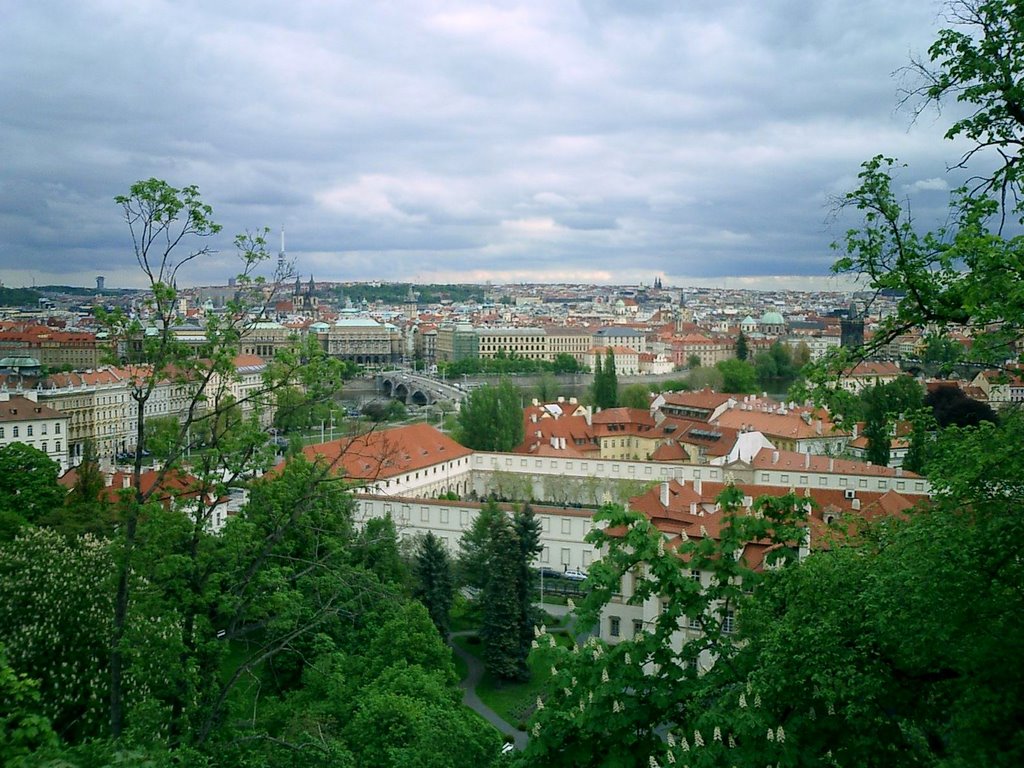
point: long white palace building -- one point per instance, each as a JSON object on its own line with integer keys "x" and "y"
{"x": 402, "y": 472}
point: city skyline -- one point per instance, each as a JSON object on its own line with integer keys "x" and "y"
{"x": 464, "y": 142}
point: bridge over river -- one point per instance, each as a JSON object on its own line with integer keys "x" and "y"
{"x": 417, "y": 389}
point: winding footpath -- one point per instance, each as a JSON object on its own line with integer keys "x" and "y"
{"x": 471, "y": 700}
{"x": 476, "y": 672}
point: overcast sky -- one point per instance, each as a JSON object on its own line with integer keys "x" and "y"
{"x": 608, "y": 141}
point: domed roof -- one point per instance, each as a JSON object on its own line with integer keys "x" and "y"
{"x": 19, "y": 362}
{"x": 772, "y": 318}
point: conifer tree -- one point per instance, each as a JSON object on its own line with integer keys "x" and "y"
{"x": 527, "y": 529}
{"x": 435, "y": 584}
{"x": 742, "y": 350}
{"x": 501, "y": 603}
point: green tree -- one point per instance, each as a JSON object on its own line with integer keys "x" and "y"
{"x": 942, "y": 351}
{"x": 527, "y": 530}
{"x": 565, "y": 363}
{"x": 167, "y": 563}
{"x": 376, "y": 548}
{"x": 29, "y": 491}
{"x": 775, "y": 367}
{"x": 610, "y": 705}
{"x": 801, "y": 355}
{"x": 738, "y": 376}
{"x": 605, "y": 389}
{"x": 636, "y": 396}
{"x": 55, "y": 621}
{"x": 435, "y": 581}
{"x": 500, "y": 602}
{"x": 491, "y": 418}
{"x": 23, "y": 728}
{"x": 162, "y": 436}
{"x": 877, "y": 429}
{"x": 742, "y": 350}
{"x": 474, "y": 547}
{"x": 706, "y": 378}
{"x": 885, "y": 692}
{"x": 951, "y": 406}
{"x": 611, "y": 394}
{"x": 85, "y": 510}
{"x": 884, "y": 405}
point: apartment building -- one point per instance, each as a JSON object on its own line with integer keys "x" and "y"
{"x": 23, "y": 419}
{"x": 362, "y": 340}
{"x": 98, "y": 406}
{"x": 572, "y": 341}
{"x": 265, "y": 338}
{"x": 456, "y": 341}
{"x": 527, "y": 343}
{"x": 52, "y": 347}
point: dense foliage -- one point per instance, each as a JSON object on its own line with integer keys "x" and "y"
{"x": 900, "y": 644}
{"x": 508, "y": 363}
{"x": 143, "y": 625}
{"x": 496, "y": 557}
{"x": 605, "y": 389}
{"x": 491, "y": 418}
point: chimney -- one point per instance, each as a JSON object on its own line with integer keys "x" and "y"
{"x": 693, "y": 508}
{"x": 807, "y": 461}
{"x": 818, "y": 426}
{"x": 664, "y": 494}
{"x": 126, "y": 481}
{"x": 856, "y": 505}
{"x": 775, "y": 457}
{"x": 831, "y": 465}
{"x": 899, "y": 471}
{"x": 697, "y": 486}
{"x": 108, "y": 480}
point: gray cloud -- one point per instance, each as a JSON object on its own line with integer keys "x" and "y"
{"x": 459, "y": 140}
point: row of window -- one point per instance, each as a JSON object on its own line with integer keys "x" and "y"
{"x": 44, "y": 446}
{"x": 615, "y": 625}
{"x": 600, "y": 468}
{"x": 883, "y": 484}
{"x": 29, "y": 430}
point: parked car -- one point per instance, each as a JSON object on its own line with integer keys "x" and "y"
{"x": 574, "y": 574}
{"x": 549, "y": 573}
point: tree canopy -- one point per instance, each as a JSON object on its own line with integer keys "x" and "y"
{"x": 491, "y": 418}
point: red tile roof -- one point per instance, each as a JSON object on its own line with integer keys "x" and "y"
{"x": 19, "y": 408}
{"x": 386, "y": 453}
{"x": 767, "y": 458}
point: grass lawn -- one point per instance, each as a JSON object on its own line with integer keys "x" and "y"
{"x": 513, "y": 702}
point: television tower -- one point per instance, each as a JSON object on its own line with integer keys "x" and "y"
{"x": 281, "y": 258}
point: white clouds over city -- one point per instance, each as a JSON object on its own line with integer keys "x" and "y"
{"x": 425, "y": 140}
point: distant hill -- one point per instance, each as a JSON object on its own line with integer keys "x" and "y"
{"x": 19, "y": 297}
{"x": 77, "y": 290}
{"x": 396, "y": 293}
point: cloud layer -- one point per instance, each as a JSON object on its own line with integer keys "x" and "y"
{"x": 591, "y": 141}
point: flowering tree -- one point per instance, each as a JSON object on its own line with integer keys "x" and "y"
{"x": 616, "y": 705}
